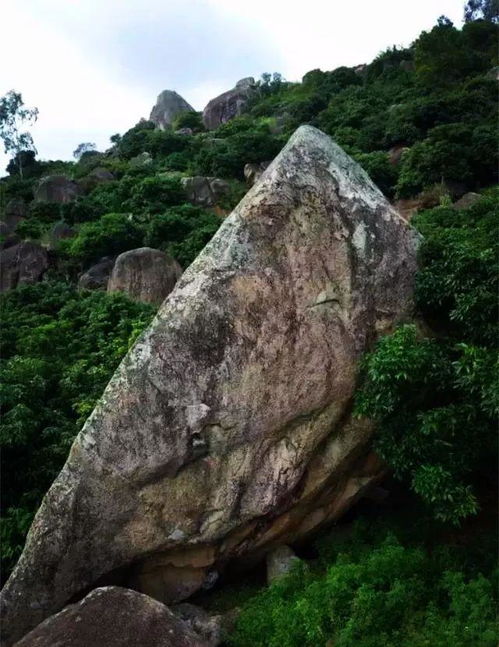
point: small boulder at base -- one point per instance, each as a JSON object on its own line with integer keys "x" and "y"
{"x": 227, "y": 428}
{"x": 97, "y": 276}
{"x": 22, "y": 264}
{"x": 230, "y": 104}
{"x": 210, "y": 628}
{"x": 169, "y": 105}
{"x": 113, "y": 617}
{"x": 144, "y": 274}
{"x": 204, "y": 191}
{"x": 467, "y": 200}
{"x": 280, "y": 561}
{"x": 57, "y": 188}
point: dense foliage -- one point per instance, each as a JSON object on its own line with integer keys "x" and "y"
{"x": 59, "y": 348}
{"x": 380, "y": 587}
{"x": 436, "y": 397}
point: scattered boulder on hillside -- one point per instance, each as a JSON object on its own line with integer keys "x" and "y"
{"x": 252, "y": 172}
{"x": 22, "y": 264}
{"x": 205, "y": 191}
{"x": 99, "y": 175}
{"x": 169, "y": 105}
{"x": 57, "y": 188}
{"x": 97, "y": 276}
{"x": 16, "y": 210}
{"x": 184, "y": 131}
{"x": 113, "y": 617}
{"x": 280, "y": 561}
{"x": 60, "y": 231}
{"x": 7, "y": 237}
{"x": 230, "y": 104}
{"x": 211, "y": 628}
{"x": 467, "y": 200}
{"x": 226, "y": 430}
{"x": 395, "y": 154}
{"x": 145, "y": 274}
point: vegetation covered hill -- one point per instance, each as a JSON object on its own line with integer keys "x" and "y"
{"x": 422, "y": 122}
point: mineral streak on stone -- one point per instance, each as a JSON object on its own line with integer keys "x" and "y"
{"x": 227, "y": 430}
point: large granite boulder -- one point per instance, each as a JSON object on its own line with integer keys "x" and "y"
{"x": 97, "y": 276}
{"x": 145, "y": 274}
{"x": 57, "y": 188}
{"x": 114, "y": 617}
{"x": 204, "y": 191}
{"x": 230, "y": 104}
{"x": 22, "y": 264}
{"x": 169, "y": 105}
{"x": 16, "y": 210}
{"x": 60, "y": 231}
{"x": 227, "y": 429}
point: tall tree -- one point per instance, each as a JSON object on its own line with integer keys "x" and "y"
{"x": 481, "y": 9}
{"x": 13, "y": 115}
{"x": 81, "y": 149}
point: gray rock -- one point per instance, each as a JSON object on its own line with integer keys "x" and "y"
{"x": 97, "y": 276}
{"x": 467, "y": 200}
{"x": 16, "y": 210}
{"x": 280, "y": 561}
{"x": 168, "y": 106}
{"x": 205, "y": 191}
{"x": 145, "y": 274}
{"x": 226, "y": 429}
{"x": 57, "y": 188}
{"x": 60, "y": 231}
{"x": 228, "y": 105}
{"x": 252, "y": 172}
{"x": 7, "y": 237}
{"x": 113, "y": 617}
{"x": 22, "y": 264}
{"x": 395, "y": 154}
{"x": 184, "y": 131}
{"x": 211, "y": 628}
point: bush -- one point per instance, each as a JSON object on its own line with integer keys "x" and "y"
{"x": 436, "y": 400}
{"x": 112, "y": 234}
{"x": 59, "y": 347}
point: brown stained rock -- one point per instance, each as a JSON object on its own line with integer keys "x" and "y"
{"x": 114, "y": 617}
{"x": 231, "y": 414}
{"x": 22, "y": 264}
{"x": 144, "y": 274}
{"x": 228, "y": 105}
{"x": 467, "y": 200}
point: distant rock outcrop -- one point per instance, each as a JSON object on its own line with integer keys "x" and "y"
{"x": 227, "y": 429}
{"x": 145, "y": 274}
{"x": 204, "y": 191}
{"x": 230, "y": 104}
{"x": 114, "y": 617}
{"x": 22, "y": 264}
{"x": 169, "y": 105}
{"x": 57, "y": 188}
{"x": 60, "y": 231}
{"x": 97, "y": 276}
{"x": 16, "y": 211}
{"x": 252, "y": 172}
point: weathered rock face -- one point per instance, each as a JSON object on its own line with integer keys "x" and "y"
{"x": 467, "y": 200}
{"x": 228, "y": 105}
{"x": 16, "y": 210}
{"x": 280, "y": 561}
{"x": 57, "y": 188}
{"x": 97, "y": 276}
{"x": 227, "y": 429}
{"x": 145, "y": 274}
{"x": 204, "y": 191}
{"x": 114, "y": 617}
{"x": 169, "y": 105}
{"x": 60, "y": 231}
{"x": 21, "y": 264}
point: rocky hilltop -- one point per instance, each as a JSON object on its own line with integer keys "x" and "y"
{"x": 168, "y": 105}
{"x": 227, "y": 428}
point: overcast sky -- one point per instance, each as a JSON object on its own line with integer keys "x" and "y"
{"x": 95, "y": 67}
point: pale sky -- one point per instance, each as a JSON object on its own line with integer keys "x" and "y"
{"x": 94, "y": 67}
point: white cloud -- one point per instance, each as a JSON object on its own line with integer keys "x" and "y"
{"x": 94, "y": 67}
